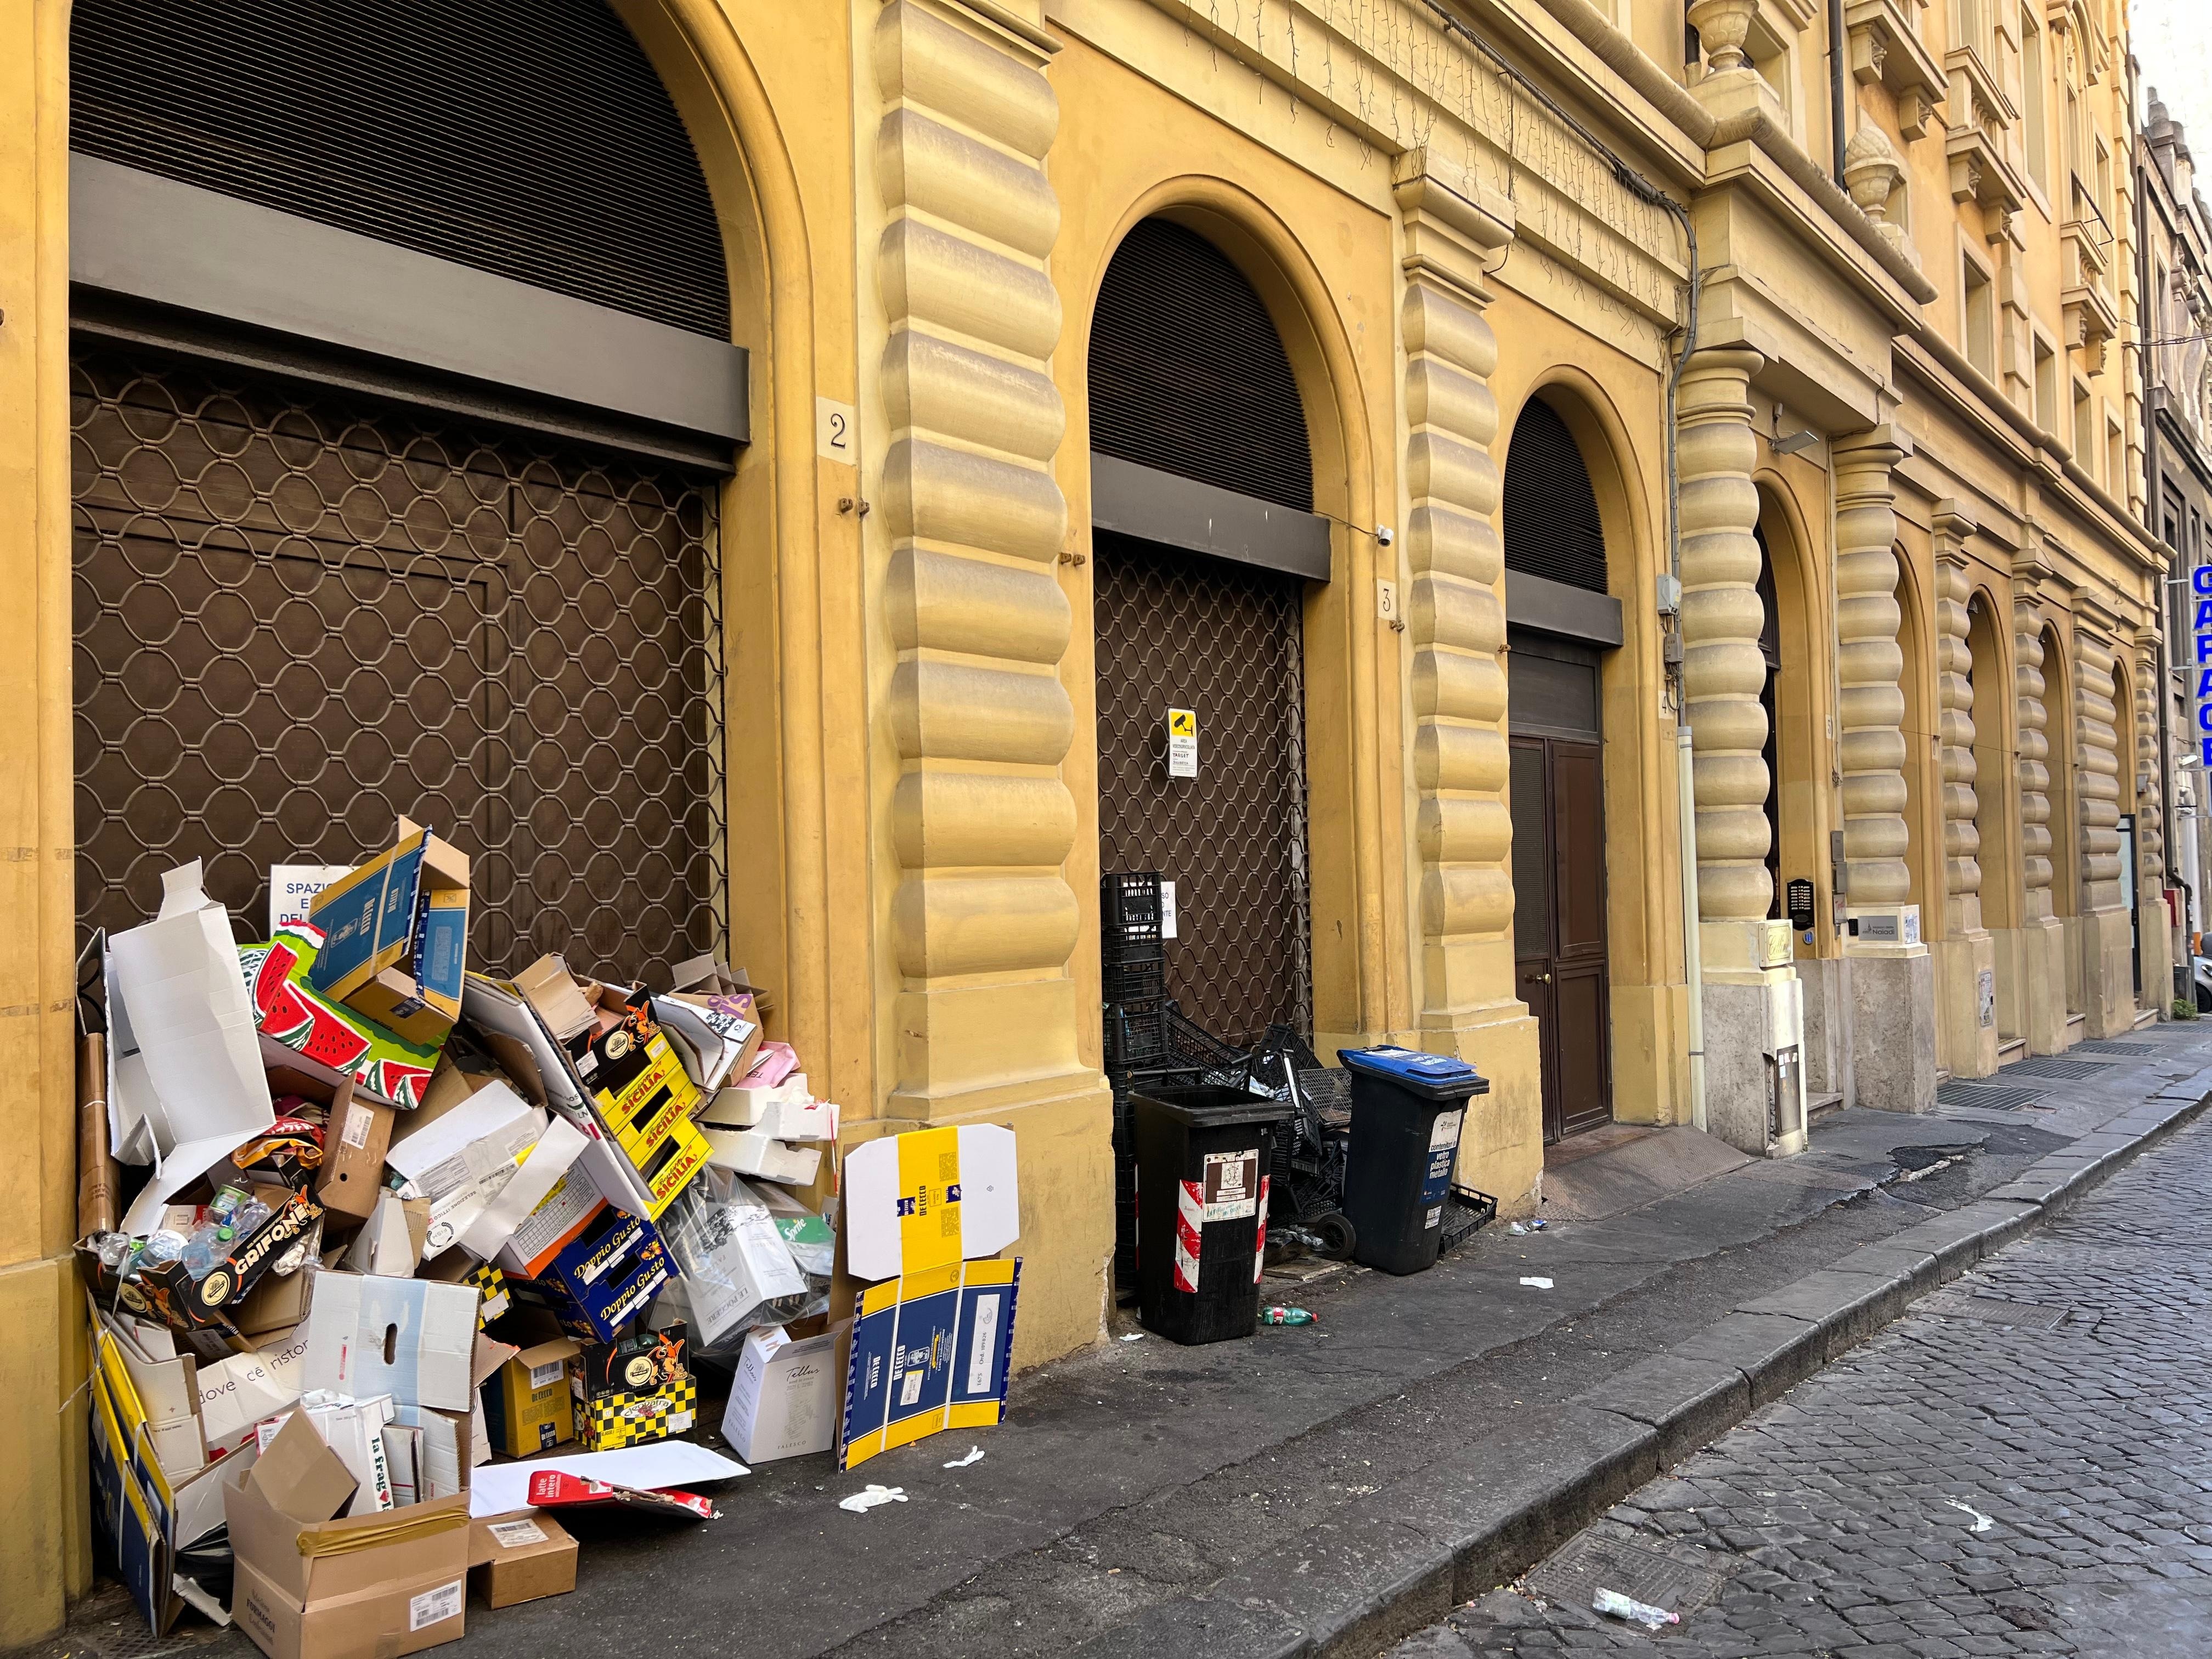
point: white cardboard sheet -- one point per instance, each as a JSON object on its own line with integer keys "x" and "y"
{"x": 187, "y": 1087}
{"x": 498, "y": 1487}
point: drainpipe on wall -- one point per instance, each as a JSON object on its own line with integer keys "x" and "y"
{"x": 2147, "y": 315}
{"x": 1838, "y": 138}
{"x": 1694, "y": 963}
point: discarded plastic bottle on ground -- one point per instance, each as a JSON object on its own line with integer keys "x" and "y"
{"x": 1285, "y": 1316}
{"x": 1626, "y": 1607}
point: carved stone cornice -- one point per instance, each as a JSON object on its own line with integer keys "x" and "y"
{"x": 1455, "y": 225}
{"x": 1886, "y": 48}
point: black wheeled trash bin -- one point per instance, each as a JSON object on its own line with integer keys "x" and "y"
{"x": 1407, "y": 1108}
{"x": 1203, "y": 1154}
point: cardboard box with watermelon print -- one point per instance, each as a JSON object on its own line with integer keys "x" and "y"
{"x": 303, "y": 1028}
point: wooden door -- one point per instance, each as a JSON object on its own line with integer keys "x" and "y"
{"x": 1559, "y": 924}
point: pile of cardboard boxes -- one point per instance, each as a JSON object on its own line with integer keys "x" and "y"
{"x": 398, "y": 1221}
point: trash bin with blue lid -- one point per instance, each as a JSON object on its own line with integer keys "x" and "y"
{"x": 1203, "y": 1154}
{"x": 1407, "y": 1109}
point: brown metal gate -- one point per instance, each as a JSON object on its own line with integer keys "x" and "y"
{"x": 298, "y": 616}
{"x": 1226, "y": 640}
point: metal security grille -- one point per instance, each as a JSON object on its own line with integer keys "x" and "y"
{"x": 529, "y": 138}
{"x": 1187, "y": 373}
{"x": 1550, "y": 518}
{"x": 298, "y": 616}
{"x": 1228, "y": 642}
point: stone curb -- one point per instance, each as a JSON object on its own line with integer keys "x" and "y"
{"x": 1400, "y": 1559}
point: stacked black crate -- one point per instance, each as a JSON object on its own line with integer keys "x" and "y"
{"x": 1133, "y": 978}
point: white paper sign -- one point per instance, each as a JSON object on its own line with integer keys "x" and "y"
{"x": 1168, "y": 914}
{"x": 293, "y": 887}
{"x": 1182, "y": 743}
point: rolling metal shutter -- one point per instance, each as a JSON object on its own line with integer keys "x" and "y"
{"x": 1226, "y": 640}
{"x": 1187, "y": 373}
{"x": 299, "y": 616}
{"x": 1550, "y": 519}
{"x": 529, "y": 138}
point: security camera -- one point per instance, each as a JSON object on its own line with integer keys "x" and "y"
{"x": 1384, "y": 535}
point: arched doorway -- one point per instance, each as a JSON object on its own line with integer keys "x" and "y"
{"x": 1992, "y": 691}
{"x": 1204, "y": 543}
{"x": 2065, "y": 821}
{"x": 1560, "y": 623}
{"x": 402, "y": 386}
{"x": 2128, "y": 804}
{"x": 1794, "y": 662}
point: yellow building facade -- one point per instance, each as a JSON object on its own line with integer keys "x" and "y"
{"x": 1860, "y": 436}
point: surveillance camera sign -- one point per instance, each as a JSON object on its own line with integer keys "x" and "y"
{"x": 1182, "y": 743}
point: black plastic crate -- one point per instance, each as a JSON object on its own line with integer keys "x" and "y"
{"x": 1129, "y": 901}
{"x": 1140, "y": 983}
{"x": 1132, "y": 949}
{"x": 1136, "y": 1037}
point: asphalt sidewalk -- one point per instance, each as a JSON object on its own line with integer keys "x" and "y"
{"x": 1325, "y": 1489}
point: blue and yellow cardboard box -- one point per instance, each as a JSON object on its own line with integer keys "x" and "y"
{"x": 929, "y": 1351}
{"x": 395, "y": 937}
{"x": 603, "y": 1278}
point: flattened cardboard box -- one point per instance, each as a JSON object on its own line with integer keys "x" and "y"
{"x": 929, "y": 1198}
{"x": 524, "y": 1555}
{"x": 930, "y": 1352}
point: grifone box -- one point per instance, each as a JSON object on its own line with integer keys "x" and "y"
{"x": 395, "y": 936}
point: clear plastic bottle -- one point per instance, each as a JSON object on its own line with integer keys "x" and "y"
{"x": 159, "y": 1247}
{"x": 209, "y": 1244}
{"x": 246, "y": 1220}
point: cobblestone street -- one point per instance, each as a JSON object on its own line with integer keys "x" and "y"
{"x": 2022, "y": 1465}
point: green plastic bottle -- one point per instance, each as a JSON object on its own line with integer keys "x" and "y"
{"x": 1285, "y": 1316}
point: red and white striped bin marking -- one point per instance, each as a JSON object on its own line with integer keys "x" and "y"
{"x": 1190, "y": 1227}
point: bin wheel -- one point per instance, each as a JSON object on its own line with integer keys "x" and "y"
{"x": 1334, "y": 1229}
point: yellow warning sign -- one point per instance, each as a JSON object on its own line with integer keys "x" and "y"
{"x": 1182, "y": 743}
